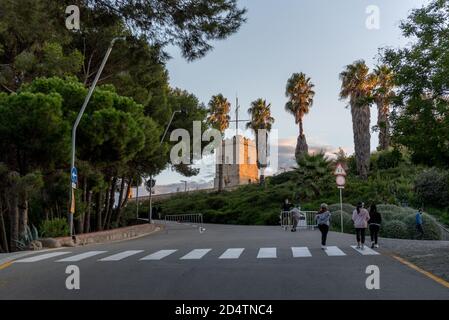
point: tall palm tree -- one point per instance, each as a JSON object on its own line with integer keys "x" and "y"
{"x": 300, "y": 93}
{"x": 382, "y": 96}
{"x": 219, "y": 108}
{"x": 261, "y": 118}
{"x": 357, "y": 85}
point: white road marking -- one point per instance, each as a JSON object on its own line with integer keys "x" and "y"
{"x": 334, "y": 252}
{"x": 266, "y": 253}
{"x": 366, "y": 251}
{"x": 299, "y": 252}
{"x": 121, "y": 255}
{"x": 159, "y": 255}
{"x": 81, "y": 256}
{"x": 43, "y": 256}
{"x": 233, "y": 253}
{"x": 196, "y": 254}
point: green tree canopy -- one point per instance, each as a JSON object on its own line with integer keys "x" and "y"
{"x": 421, "y": 112}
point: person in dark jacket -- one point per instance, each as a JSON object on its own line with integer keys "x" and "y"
{"x": 323, "y": 219}
{"x": 374, "y": 225}
{"x": 285, "y": 208}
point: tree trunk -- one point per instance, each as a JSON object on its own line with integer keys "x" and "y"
{"x": 111, "y": 203}
{"x": 13, "y": 208}
{"x": 118, "y": 210}
{"x": 361, "y": 117}
{"x": 82, "y": 216}
{"x": 23, "y": 212}
{"x": 301, "y": 147}
{"x": 107, "y": 204}
{"x": 88, "y": 211}
{"x": 99, "y": 210}
{"x": 3, "y": 239}
{"x": 301, "y": 128}
{"x": 383, "y": 123}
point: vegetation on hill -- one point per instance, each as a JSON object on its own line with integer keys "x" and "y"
{"x": 394, "y": 180}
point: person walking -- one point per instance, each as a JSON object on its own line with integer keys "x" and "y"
{"x": 374, "y": 222}
{"x": 323, "y": 218}
{"x": 360, "y": 217}
{"x": 285, "y": 208}
{"x": 296, "y": 216}
{"x": 419, "y": 224}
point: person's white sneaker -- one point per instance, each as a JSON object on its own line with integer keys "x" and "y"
{"x": 362, "y": 247}
{"x": 358, "y": 245}
{"x": 376, "y": 246}
{"x": 323, "y": 247}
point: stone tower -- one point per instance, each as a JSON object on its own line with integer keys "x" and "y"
{"x": 239, "y": 162}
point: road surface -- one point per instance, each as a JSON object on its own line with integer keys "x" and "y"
{"x": 224, "y": 262}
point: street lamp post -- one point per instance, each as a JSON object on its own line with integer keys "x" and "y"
{"x": 150, "y": 218}
{"x": 75, "y": 126}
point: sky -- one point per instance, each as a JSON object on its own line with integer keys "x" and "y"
{"x": 317, "y": 37}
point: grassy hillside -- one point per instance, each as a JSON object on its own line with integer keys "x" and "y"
{"x": 312, "y": 184}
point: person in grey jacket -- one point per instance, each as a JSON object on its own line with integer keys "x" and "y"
{"x": 323, "y": 218}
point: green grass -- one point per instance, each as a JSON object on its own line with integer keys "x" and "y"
{"x": 260, "y": 205}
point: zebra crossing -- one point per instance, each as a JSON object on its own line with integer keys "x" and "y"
{"x": 194, "y": 254}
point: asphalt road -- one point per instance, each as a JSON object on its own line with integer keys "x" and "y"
{"x": 189, "y": 273}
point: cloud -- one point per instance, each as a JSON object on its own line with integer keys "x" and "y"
{"x": 287, "y": 146}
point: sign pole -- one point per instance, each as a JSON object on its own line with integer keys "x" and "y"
{"x": 340, "y": 174}
{"x": 341, "y": 208}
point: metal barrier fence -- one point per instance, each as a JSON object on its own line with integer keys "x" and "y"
{"x": 194, "y": 220}
{"x": 444, "y": 232}
{"x": 306, "y": 220}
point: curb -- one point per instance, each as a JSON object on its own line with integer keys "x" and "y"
{"x": 11, "y": 257}
{"x": 16, "y": 255}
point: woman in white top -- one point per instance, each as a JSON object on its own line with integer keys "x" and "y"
{"x": 360, "y": 216}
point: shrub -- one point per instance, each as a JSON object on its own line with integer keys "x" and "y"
{"x": 394, "y": 229}
{"x": 432, "y": 187}
{"x": 386, "y": 159}
{"x": 54, "y": 228}
{"x": 348, "y": 208}
{"x": 431, "y": 229}
{"x": 389, "y": 215}
{"x": 348, "y": 225}
{"x": 26, "y": 239}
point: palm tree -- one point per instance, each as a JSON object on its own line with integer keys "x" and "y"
{"x": 313, "y": 176}
{"x": 300, "y": 93}
{"x": 357, "y": 85}
{"x": 218, "y": 118}
{"x": 382, "y": 96}
{"x": 261, "y": 118}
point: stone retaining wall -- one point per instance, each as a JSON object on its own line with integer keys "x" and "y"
{"x": 102, "y": 236}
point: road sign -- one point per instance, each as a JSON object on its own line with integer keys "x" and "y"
{"x": 340, "y": 171}
{"x": 150, "y": 183}
{"x": 341, "y": 181}
{"x": 74, "y": 175}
